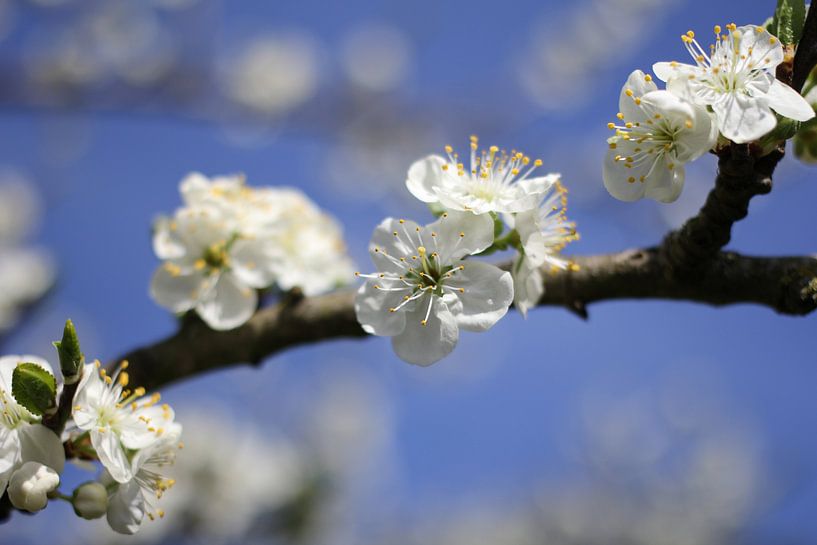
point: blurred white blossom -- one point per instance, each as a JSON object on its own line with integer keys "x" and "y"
{"x": 376, "y": 57}
{"x": 273, "y": 74}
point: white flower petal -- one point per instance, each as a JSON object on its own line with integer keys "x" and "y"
{"x": 166, "y": 243}
{"x": 252, "y": 264}
{"x": 177, "y": 292}
{"x": 636, "y": 86}
{"x": 460, "y": 234}
{"x": 666, "y": 188}
{"x": 487, "y": 296}
{"x": 126, "y": 508}
{"x": 788, "y": 102}
{"x": 528, "y": 285}
{"x": 423, "y": 176}
{"x": 386, "y": 248}
{"x": 426, "y": 344}
{"x": 40, "y": 444}
{"x": 110, "y": 453}
{"x": 372, "y": 309}
{"x": 228, "y": 305}
{"x": 743, "y": 119}
{"x": 9, "y": 453}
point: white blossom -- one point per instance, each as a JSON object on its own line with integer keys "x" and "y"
{"x": 117, "y": 418}
{"x": 424, "y": 291}
{"x": 231, "y": 240}
{"x": 209, "y": 267}
{"x": 22, "y": 437}
{"x": 134, "y": 498}
{"x": 30, "y": 484}
{"x": 736, "y": 78}
{"x": 656, "y": 134}
{"x": 544, "y": 231}
{"x": 494, "y": 181}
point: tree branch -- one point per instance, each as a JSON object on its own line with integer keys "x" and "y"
{"x": 783, "y": 284}
{"x": 689, "y": 265}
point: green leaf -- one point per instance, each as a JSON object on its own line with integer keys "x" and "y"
{"x": 34, "y": 388}
{"x": 789, "y": 18}
{"x": 71, "y": 358}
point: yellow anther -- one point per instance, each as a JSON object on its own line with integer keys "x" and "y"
{"x": 611, "y": 125}
{"x": 718, "y": 29}
{"x": 537, "y": 163}
{"x": 123, "y": 378}
{"x": 690, "y": 34}
{"x": 628, "y": 92}
{"x": 449, "y": 149}
{"x": 647, "y": 77}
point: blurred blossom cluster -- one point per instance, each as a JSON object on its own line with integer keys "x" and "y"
{"x": 257, "y": 484}
{"x": 653, "y": 472}
{"x": 26, "y": 273}
{"x": 603, "y": 31}
{"x": 230, "y": 240}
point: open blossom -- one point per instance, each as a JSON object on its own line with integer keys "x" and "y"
{"x": 231, "y": 240}
{"x": 22, "y": 437}
{"x": 424, "y": 291}
{"x": 494, "y": 181}
{"x": 117, "y": 418}
{"x": 209, "y": 268}
{"x": 656, "y": 134}
{"x": 132, "y": 500}
{"x": 543, "y": 234}
{"x": 736, "y": 78}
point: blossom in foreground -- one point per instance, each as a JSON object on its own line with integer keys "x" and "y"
{"x": 132, "y": 500}
{"x": 30, "y": 484}
{"x": 22, "y": 437}
{"x": 657, "y": 132}
{"x": 494, "y": 181}
{"x": 736, "y": 77}
{"x": 424, "y": 291}
{"x": 209, "y": 268}
{"x": 118, "y": 419}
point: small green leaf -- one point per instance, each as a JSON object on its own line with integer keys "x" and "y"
{"x": 71, "y": 358}
{"x": 789, "y": 18}
{"x": 34, "y": 388}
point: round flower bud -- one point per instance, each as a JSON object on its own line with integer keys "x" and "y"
{"x": 90, "y": 500}
{"x": 30, "y": 484}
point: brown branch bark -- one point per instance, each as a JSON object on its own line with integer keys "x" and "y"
{"x": 782, "y": 284}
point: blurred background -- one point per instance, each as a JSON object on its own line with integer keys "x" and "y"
{"x": 653, "y": 423}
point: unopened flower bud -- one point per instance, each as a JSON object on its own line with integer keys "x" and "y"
{"x": 90, "y": 500}
{"x": 30, "y": 484}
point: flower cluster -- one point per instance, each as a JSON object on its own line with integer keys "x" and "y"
{"x": 31, "y": 455}
{"x": 731, "y": 90}
{"x": 230, "y": 240}
{"x": 92, "y": 416}
{"x": 426, "y": 289}
{"x": 133, "y": 436}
